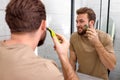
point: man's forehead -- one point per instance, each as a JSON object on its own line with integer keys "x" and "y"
{"x": 82, "y": 16}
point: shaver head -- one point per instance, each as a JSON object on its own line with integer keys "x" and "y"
{"x": 52, "y": 33}
{"x": 85, "y": 27}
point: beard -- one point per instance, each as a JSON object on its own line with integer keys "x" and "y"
{"x": 42, "y": 39}
{"x": 83, "y": 32}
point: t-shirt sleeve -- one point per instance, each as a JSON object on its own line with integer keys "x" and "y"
{"x": 71, "y": 43}
{"x": 108, "y": 44}
{"x": 53, "y": 73}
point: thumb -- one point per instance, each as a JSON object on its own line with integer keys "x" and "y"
{"x": 55, "y": 40}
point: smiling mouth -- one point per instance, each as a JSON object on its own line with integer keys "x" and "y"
{"x": 79, "y": 29}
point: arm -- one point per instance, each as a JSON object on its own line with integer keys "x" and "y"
{"x": 73, "y": 59}
{"x": 107, "y": 58}
{"x": 62, "y": 51}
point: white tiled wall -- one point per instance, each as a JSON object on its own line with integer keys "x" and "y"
{"x": 115, "y": 14}
{"x": 4, "y": 30}
{"x": 58, "y": 19}
{"x": 3, "y": 3}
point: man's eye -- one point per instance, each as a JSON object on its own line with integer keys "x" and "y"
{"x": 76, "y": 21}
{"x": 81, "y": 21}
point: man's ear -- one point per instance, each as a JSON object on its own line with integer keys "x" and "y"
{"x": 43, "y": 25}
{"x": 91, "y": 23}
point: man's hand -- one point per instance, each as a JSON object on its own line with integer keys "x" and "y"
{"x": 92, "y": 35}
{"x": 61, "y": 47}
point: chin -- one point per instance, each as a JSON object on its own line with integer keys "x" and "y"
{"x": 81, "y": 33}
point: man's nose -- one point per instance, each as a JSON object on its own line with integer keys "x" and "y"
{"x": 78, "y": 24}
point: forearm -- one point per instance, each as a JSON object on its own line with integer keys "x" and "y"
{"x": 68, "y": 72}
{"x": 73, "y": 64}
{"x": 62, "y": 50}
{"x": 73, "y": 59}
{"x": 108, "y": 59}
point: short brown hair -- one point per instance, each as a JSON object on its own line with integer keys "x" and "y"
{"x": 91, "y": 14}
{"x": 25, "y": 15}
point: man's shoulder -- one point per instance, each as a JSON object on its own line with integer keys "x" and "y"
{"x": 102, "y": 33}
{"x": 47, "y": 62}
{"x": 103, "y": 36}
{"x": 49, "y": 66}
{"x": 74, "y": 34}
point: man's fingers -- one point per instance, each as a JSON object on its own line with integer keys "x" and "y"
{"x": 55, "y": 40}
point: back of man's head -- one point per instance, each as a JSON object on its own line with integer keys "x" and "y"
{"x": 25, "y": 15}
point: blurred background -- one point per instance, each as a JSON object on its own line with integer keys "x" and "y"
{"x": 61, "y": 17}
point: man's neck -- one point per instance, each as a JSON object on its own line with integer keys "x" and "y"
{"x": 21, "y": 39}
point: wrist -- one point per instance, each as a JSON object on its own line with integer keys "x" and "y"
{"x": 98, "y": 44}
{"x": 63, "y": 58}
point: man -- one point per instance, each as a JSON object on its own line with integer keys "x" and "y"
{"x": 93, "y": 49}
{"x": 27, "y": 22}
